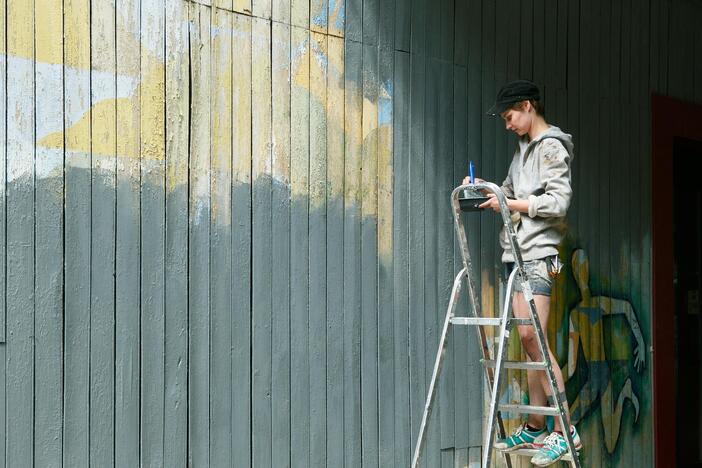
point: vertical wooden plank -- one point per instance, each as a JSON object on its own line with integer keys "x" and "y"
{"x": 573, "y": 96}
{"x": 335, "y": 244}
{"x": 447, "y": 34}
{"x": 319, "y": 15}
{"x": 461, "y": 336}
{"x": 103, "y": 165}
{"x": 242, "y": 6}
{"x": 476, "y": 116}
{"x": 403, "y": 21}
{"x": 3, "y": 227}
{"x": 664, "y": 43}
{"x": 336, "y": 19}
{"x": 370, "y": 11}
{"x": 280, "y": 205}
{"x": 447, "y": 249}
{"x": 76, "y": 14}
{"x": 642, "y": 270}
{"x": 152, "y": 124}
{"x": 199, "y": 239}
{"x": 299, "y": 237}
{"x": 444, "y": 258}
{"x": 401, "y": 256}
{"x": 354, "y": 20}
{"x": 353, "y": 79}
{"x": 280, "y": 11}
{"x": 319, "y": 66}
{"x": 48, "y": 281}
{"x": 488, "y": 253}
{"x": 177, "y": 229}
{"x": 300, "y": 13}
{"x": 433, "y": 30}
{"x": 460, "y": 52}
{"x": 20, "y": 205}
{"x": 514, "y": 35}
{"x": 430, "y": 207}
{"x": 261, "y": 8}
{"x": 3, "y": 405}
{"x": 588, "y": 202}
{"x": 224, "y": 4}
{"x": 3, "y": 182}
{"x": 221, "y": 240}
{"x": 386, "y": 338}
{"x": 262, "y": 242}
{"x": 416, "y": 221}
{"x": 127, "y": 242}
{"x": 526, "y": 42}
{"x": 539, "y": 51}
{"x": 241, "y": 241}
{"x": 369, "y": 254}
{"x": 386, "y": 27}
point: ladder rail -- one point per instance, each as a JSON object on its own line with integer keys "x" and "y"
{"x": 431, "y": 394}
{"x": 495, "y": 393}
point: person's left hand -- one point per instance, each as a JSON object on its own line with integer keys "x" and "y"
{"x": 492, "y": 203}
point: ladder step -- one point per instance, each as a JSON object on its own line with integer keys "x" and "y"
{"x": 531, "y": 452}
{"x": 528, "y": 409}
{"x": 488, "y": 321}
{"x": 517, "y": 365}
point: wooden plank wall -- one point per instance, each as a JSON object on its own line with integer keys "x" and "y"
{"x": 224, "y": 225}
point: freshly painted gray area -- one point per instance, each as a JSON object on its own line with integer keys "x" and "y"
{"x": 140, "y": 328}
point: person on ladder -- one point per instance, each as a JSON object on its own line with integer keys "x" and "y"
{"x": 538, "y": 189}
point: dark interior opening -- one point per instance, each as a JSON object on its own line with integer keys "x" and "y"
{"x": 687, "y": 241}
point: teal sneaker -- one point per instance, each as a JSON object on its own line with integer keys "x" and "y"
{"x": 555, "y": 447}
{"x": 521, "y": 438}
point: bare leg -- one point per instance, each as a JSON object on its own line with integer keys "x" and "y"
{"x": 539, "y": 387}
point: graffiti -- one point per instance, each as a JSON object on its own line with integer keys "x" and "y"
{"x": 605, "y": 348}
{"x": 591, "y": 356}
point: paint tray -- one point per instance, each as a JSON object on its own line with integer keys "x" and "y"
{"x": 470, "y": 199}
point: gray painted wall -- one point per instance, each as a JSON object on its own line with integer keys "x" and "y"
{"x": 225, "y": 228}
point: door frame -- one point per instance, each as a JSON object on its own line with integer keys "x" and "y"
{"x": 670, "y": 118}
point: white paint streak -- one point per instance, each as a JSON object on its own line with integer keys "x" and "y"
{"x": 49, "y": 163}
{"x": 20, "y": 120}
{"x": 52, "y": 76}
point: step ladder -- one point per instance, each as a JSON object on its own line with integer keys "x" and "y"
{"x": 467, "y": 198}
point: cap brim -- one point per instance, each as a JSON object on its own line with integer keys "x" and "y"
{"x": 498, "y": 108}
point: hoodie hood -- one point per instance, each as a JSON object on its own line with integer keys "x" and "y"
{"x": 566, "y": 139}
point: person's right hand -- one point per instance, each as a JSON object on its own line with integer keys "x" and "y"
{"x": 466, "y": 180}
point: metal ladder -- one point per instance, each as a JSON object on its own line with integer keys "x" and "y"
{"x": 494, "y": 366}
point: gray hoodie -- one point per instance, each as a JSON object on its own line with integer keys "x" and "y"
{"x": 540, "y": 173}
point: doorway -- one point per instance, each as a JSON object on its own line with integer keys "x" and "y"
{"x": 676, "y": 128}
{"x": 687, "y": 221}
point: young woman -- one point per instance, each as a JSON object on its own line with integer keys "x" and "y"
{"x": 538, "y": 191}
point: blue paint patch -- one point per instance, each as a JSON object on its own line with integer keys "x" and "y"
{"x": 321, "y": 19}
{"x": 341, "y": 15}
{"x": 594, "y": 314}
{"x": 385, "y": 103}
{"x": 319, "y": 56}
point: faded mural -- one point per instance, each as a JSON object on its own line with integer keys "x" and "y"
{"x": 602, "y": 361}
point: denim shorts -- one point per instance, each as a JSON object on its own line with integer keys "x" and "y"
{"x": 540, "y": 273}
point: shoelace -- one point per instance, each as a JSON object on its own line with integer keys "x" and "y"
{"x": 552, "y": 440}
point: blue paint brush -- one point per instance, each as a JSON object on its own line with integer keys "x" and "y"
{"x": 471, "y": 172}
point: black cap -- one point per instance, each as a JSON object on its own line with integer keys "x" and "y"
{"x": 513, "y": 92}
